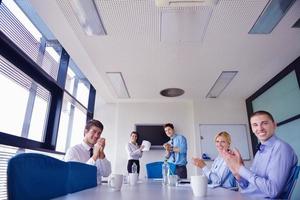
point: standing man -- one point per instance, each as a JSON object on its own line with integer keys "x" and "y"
{"x": 176, "y": 150}
{"x": 91, "y": 150}
{"x": 273, "y": 164}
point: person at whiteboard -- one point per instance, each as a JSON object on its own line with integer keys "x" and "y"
{"x": 273, "y": 164}
{"x": 219, "y": 173}
{"x": 176, "y": 150}
{"x": 134, "y": 152}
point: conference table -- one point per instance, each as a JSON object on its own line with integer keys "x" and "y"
{"x": 152, "y": 190}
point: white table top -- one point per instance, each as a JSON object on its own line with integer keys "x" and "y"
{"x": 149, "y": 190}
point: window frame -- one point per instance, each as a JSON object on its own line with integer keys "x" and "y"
{"x": 22, "y": 61}
{"x": 294, "y": 66}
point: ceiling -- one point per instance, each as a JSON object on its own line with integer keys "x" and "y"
{"x": 134, "y": 46}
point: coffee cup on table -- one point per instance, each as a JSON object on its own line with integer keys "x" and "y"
{"x": 115, "y": 181}
{"x": 199, "y": 185}
{"x": 133, "y": 178}
{"x": 172, "y": 180}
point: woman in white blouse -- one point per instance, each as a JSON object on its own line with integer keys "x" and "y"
{"x": 134, "y": 152}
{"x": 219, "y": 174}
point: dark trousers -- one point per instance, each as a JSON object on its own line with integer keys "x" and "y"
{"x": 181, "y": 171}
{"x": 130, "y": 163}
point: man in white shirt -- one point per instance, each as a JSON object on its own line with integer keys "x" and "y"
{"x": 91, "y": 150}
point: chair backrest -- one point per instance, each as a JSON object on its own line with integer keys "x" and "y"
{"x": 36, "y": 176}
{"x": 154, "y": 169}
{"x": 291, "y": 183}
{"x": 81, "y": 176}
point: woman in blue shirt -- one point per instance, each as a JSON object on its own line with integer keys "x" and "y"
{"x": 219, "y": 173}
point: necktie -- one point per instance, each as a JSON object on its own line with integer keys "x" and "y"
{"x": 172, "y": 153}
{"x": 258, "y": 147}
{"x": 91, "y": 152}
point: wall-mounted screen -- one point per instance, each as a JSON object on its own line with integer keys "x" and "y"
{"x": 153, "y": 133}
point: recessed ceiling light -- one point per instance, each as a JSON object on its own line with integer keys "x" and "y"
{"x": 271, "y": 16}
{"x": 118, "y": 84}
{"x": 221, "y": 83}
{"x": 88, "y": 17}
{"x": 172, "y": 92}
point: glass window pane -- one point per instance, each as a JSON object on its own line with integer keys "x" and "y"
{"x": 71, "y": 126}
{"x": 78, "y": 127}
{"x": 6, "y": 152}
{"x": 77, "y": 85}
{"x": 61, "y": 141}
{"x": 38, "y": 119}
{"x": 12, "y": 114}
{"x": 282, "y": 99}
{"x": 24, "y": 108}
{"x": 15, "y": 24}
{"x": 83, "y": 93}
{"x": 290, "y": 133}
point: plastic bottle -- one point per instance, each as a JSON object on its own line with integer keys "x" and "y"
{"x": 134, "y": 168}
{"x": 165, "y": 172}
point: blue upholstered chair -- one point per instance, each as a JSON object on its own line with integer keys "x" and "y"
{"x": 154, "y": 169}
{"x": 292, "y": 180}
{"x": 81, "y": 176}
{"x": 36, "y": 176}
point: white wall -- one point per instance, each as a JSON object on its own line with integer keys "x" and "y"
{"x": 220, "y": 111}
{"x": 120, "y": 119}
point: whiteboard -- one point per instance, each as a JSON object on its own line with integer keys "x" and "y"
{"x": 238, "y": 133}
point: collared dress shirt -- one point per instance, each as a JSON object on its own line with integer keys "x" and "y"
{"x": 271, "y": 168}
{"x": 219, "y": 174}
{"x": 81, "y": 153}
{"x": 133, "y": 151}
{"x": 180, "y": 157}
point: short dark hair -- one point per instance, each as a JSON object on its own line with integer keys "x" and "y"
{"x": 169, "y": 125}
{"x": 93, "y": 122}
{"x": 136, "y": 133}
{"x": 262, "y": 112}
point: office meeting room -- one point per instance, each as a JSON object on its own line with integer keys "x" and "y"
{"x": 149, "y": 99}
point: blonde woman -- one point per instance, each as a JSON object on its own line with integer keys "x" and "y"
{"x": 219, "y": 173}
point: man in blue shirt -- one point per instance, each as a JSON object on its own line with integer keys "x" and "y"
{"x": 273, "y": 163}
{"x": 176, "y": 150}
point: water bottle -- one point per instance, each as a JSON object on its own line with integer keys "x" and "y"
{"x": 165, "y": 172}
{"x": 134, "y": 168}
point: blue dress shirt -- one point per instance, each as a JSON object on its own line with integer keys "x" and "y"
{"x": 270, "y": 169}
{"x": 180, "y": 157}
{"x": 219, "y": 174}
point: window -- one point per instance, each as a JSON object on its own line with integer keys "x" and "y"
{"x": 24, "y": 108}
{"x": 45, "y": 101}
{"x": 42, "y": 50}
{"x": 280, "y": 96}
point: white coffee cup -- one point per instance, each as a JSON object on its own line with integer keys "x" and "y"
{"x": 115, "y": 181}
{"x": 133, "y": 178}
{"x": 172, "y": 180}
{"x": 199, "y": 185}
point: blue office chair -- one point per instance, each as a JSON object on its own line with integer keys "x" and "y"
{"x": 292, "y": 182}
{"x": 154, "y": 169}
{"x": 36, "y": 176}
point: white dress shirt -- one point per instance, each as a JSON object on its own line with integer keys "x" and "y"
{"x": 81, "y": 153}
{"x": 133, "y": 151}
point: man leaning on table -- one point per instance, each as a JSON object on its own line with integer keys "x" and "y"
{"x": 273, "y": 163}
{"x": 91, "y": 150}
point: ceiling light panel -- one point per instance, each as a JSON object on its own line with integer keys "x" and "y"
{"x": 221, "y": 83}
{"x": 118, "y": 83}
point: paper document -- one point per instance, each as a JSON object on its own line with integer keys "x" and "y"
{"x": 146, "y": 145}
